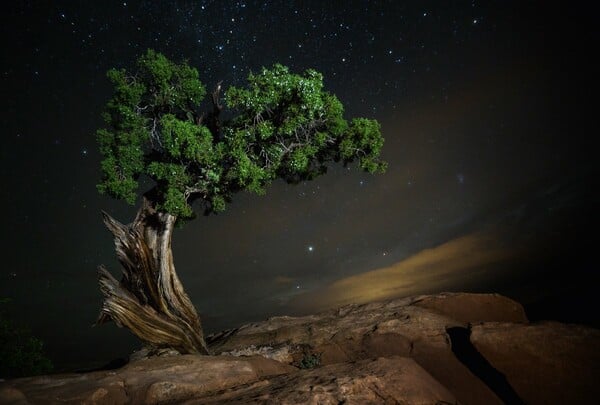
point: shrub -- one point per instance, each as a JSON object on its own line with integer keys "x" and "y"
{"x": 310, "y": 360}
{"x": 20, "y": 353}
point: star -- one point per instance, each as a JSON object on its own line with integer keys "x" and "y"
{"x": 311, "y": 248}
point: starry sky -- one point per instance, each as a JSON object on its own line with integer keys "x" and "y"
{"x": 485, "y": 108}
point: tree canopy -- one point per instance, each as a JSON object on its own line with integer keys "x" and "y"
{"x": 281, "y": 125}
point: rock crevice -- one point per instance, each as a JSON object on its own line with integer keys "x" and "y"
{"x": 468, "y": 355}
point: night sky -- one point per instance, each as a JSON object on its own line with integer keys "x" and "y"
{"x": 487, "y": 111}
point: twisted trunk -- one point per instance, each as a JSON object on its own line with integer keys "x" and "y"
{"x": 149, "y": 300}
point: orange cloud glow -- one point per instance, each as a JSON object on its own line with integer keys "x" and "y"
{"x": 440, "y": 268}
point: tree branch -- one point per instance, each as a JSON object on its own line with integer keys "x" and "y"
{"x": 189, "y": 191}
{"x": 217, "y": 107}
{"x": 213, "y": 121}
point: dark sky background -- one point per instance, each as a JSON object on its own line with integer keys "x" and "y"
{"x": 487, "y": 111}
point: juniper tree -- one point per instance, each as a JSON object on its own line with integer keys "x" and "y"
{"x": 281, "y": 125}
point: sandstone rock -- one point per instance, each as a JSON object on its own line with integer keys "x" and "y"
{"x": 12, "y": 396}
{"x": 149, "y": 381}
{"x": 545, "y": 363}
{"x": 415, "y": 318}
{"x": 349, "y": 323}
{"x": 176, "y": 378}
{"x": 474, "y": 308}
{"x": 399, "y": 351}
{"x": 89, "y": 388}
{"x": 282, "y": 353}
{"x": 382, "y": 381}
{"x": 404, "y": 327}
{"x": 147, "y": 352}
{"x": 454, "y": 375}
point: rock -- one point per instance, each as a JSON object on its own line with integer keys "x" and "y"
{"x": 172, "y": 379}
{"x": 347, "y": 326}
{"x": 147, "y": 352}
{"x": 12, "y": 396}
{"x": 150, "y": 381}
{"x": 281, "y": 353}
{"x": 412, "y": 327}
{"x": 381, "y": 381}
{"x": 548, "y": 362}
{"x": 91, "y": 388}
{"x": 466, "y": 348}
{"x": 474, "y": 308}
{"x": 113, "y": 392}
{"x": 449, "y": 371}
{"x": 422, "y": 317}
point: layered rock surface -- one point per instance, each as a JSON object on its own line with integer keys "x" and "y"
{"x": 445, "y": 348}
{"x": 153, "y": 380}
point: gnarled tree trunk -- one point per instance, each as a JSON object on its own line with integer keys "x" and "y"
{"x": 149, "y": 300}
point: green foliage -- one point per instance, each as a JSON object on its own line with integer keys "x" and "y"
{"x": 284, "y": 126}
{"x": 310, "y": 360}
{"x": 20, "y": 354}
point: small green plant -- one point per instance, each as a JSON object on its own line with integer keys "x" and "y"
{"x": 20, "y": 353}
{"x": 310, "y": 360}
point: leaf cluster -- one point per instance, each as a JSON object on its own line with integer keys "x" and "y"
{"x": 284, "y": 125}
{"x": 310, "y": 361}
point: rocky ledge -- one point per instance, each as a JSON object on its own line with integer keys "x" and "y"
{"x": 438, "y": 349}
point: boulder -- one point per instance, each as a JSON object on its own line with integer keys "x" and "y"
{"x": 12, "y": 396}
{"x": 415, "y": 318}
{"x": 547, "y": 362}
{"x": 474, "y": 308}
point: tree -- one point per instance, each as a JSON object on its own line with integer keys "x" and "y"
{"x": 282, "y": 126}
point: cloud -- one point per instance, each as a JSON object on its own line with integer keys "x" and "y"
{"x": 444, "y": 267}
{"x": 282, "y": 280}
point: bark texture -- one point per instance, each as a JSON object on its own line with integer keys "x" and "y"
{"x": 149, "y": 300}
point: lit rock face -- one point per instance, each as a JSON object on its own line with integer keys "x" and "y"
{"x": 547, "y": 362}
{"x": 445, "y": 348}
{"x": 148, "y": 381}
{"x": 413, "y": 327}
{"x": 384, "y": 380}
